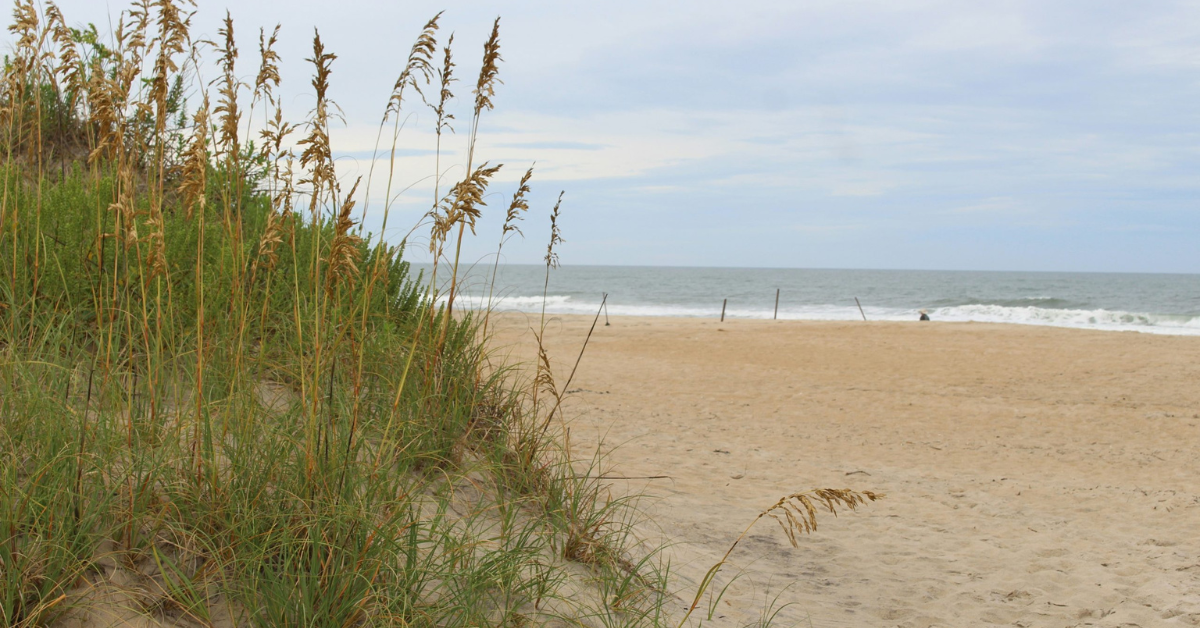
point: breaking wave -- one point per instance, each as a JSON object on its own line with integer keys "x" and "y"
{"x": 1028, "y": 311}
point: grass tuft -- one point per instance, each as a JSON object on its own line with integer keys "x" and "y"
{"x": 223, "y": 404}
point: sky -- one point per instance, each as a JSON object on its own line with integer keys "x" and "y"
{"x": 913, "y": 134}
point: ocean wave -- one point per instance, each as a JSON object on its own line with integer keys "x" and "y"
{"x": 1047, "y": 302}
{"x": 1081, "y": 318}
{"x": 518, "y": 303}
{"x": 1010, "y": 312}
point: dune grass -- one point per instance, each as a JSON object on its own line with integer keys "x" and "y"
{"x": 223, "y": 404}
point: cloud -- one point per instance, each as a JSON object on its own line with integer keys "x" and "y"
{"x": 994, "y": 205}
{"x": 1140, "y": 229}
{"x": 825, "y": 229}
{"x": 859, "y": 189}
{"x": 384, "y": 153}
{"x": 560, "y": 145}
{"x": 953, "y": 120}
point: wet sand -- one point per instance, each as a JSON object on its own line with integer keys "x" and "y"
{"x": 1034, "y": 476}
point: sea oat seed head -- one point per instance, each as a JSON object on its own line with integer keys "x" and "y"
{"x": 485, "y": 87}
{"x": 555, "y": 234}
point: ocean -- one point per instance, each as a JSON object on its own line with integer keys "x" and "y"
{"x": 1163, "y": 304}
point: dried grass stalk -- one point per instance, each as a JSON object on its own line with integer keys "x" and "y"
{"x": 226, "y": 110}
{"x": 445, "y": 78}
{"x": 419, "y": 65}
{"x": 195, "y": 164}
{"x": 343, "y": 251}
{"x": 555, "y": 234}
{"x": 71, "y": 66}
{"x": 155, "y": 239}
{"x": 172, "y": 39}
{"x": 461, "y": 206}
{"x": 797, "y": 514}
{"x": 268, "y": 68}
{"x": 485, "y": 86}
{"x": 317, "y": 155}
{"x": 272, "y": 237}
{"x": 518, "y": 206}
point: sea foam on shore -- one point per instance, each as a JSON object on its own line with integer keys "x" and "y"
{"x": 1162, "y": 304}
{"x": 1098, "y": 319}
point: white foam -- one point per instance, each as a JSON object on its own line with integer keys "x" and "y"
{"x": 1086, "y": 319}
{"x": 520, "y": 304}
{"x": 1105, "y": 320}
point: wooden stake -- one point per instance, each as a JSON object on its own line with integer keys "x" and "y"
{"x": 860, "y": 310}
{"x": 723, "y": 303}
{"x": 604, "y": 302}
{"x": 776, "y": 316}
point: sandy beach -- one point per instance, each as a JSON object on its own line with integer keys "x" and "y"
{"x": 1035, "y": 476}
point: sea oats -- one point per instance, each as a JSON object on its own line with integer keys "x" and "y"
{"x": 267, "y": 79}
{"x": 172, "y": 39}
{"x": 418, "y": 66}
{"x": 226, "y": 111}
{"x": 195, "y": 165}
{"x": 555, "y": 235}
{"x": 485, "y": 86}
{"x": 344, "y": 252}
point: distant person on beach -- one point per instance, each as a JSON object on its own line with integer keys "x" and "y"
{"x": 924, "y": 315}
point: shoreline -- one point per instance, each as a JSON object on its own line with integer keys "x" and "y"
{"x": 1033, "y": 474}
{"x": 1153, "y": 304}
{"x": 731, "y": 320}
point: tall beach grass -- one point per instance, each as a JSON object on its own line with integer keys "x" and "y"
{"x": 222, "y": 403}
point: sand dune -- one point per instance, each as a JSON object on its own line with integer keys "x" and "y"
{"x": 1034, "y": 476}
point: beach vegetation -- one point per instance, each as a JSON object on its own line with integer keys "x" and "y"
{"x": 223, "y": 403}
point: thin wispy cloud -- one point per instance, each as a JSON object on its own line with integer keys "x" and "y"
{"x": 552, "y": 145}
{"x": 928, "y": 124}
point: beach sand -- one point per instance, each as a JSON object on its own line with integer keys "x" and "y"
{"x": 1035, "y": 476}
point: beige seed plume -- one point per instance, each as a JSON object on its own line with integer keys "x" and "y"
{"x": 343, "y": 251}
{"x": 25, "y": 28}
{"x": 131, "y": 42}
{"x": 544, "y": 378}
{"x": 273, "y": 136}
{"x": 485, "y": 87}
{"x": 419, "y": 65}
{"x": 102, "y": 98}
{"x": 172, "y": 39}
{"x": 461, "y": 205}
{"x": 195, "y": 164}
{"x": 226, "y": 110}
{"x": 555, "y": 234}
{"x": 268, "y": 68}
{"x": 445, "y": 78}
{"x": 518, "y": 205}
{"x": 25, "y": 25}
{"x": 272, "y": 237}
{"x": 156, "y": 242}
{"x": 797, "y": 513}
{"x": 317, "y": 155}
{"x": 71, "y": 66}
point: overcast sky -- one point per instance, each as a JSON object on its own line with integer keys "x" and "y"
{"x": 1040, "y": 135}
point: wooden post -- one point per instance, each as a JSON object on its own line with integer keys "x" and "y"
{"x": 723, "y": 303}
{"x": 860, "y": 310}
{"x": 776, "y": 316}
{"x": 604, "y": 302}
